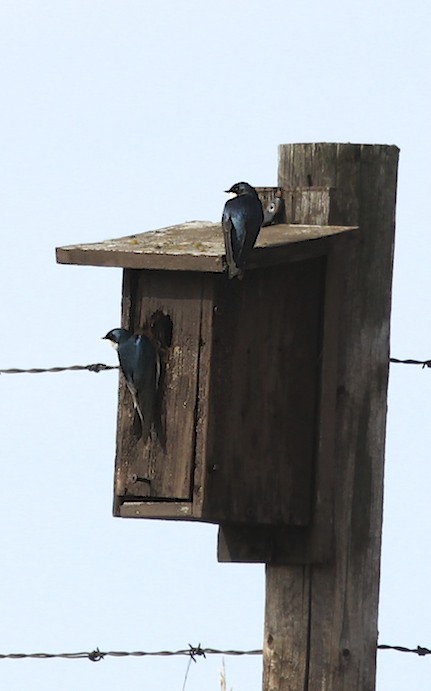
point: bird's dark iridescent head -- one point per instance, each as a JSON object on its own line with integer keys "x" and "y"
{"x": 117, "y": 336}
{"x": 240, "y": 188}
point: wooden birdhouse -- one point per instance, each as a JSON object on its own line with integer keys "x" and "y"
{"x": 246, "y": 417}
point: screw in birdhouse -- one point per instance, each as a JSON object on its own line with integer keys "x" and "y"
{"x": 135, "y": 478}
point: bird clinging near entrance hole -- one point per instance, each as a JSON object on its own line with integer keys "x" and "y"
{"x": 139, "y": 362}
{"x": 242, "y": 219}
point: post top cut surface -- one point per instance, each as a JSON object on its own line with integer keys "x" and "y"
{"x": 191, "y": 246}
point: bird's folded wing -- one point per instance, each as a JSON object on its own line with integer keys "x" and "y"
{"x": 228, "y": 230}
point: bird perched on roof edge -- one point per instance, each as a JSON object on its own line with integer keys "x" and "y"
{"x": 242, "y": 219}
{"x": 139, "y": 362}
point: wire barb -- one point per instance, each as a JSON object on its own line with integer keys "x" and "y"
{"x": 96, "y": 655}
{"x": 194, "y": 652}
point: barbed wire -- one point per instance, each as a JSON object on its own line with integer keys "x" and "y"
{"x": 424, "y": 363}
{"x": 97, "y": 367}
{"x": 100, "y": 367}
{"x": 400, "y": 649}
{"x": 192, "y": 652}
{"x": 96, "y": 655}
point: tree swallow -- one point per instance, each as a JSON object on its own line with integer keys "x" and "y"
{"x": 242, "y": 219}
{"x": 139, "y": 362}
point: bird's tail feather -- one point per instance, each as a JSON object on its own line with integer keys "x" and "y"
{"x": 144, "y": 427}
{"x": 144, "y": 407}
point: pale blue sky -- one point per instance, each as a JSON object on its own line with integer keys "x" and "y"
{"x": 124, "y": 116}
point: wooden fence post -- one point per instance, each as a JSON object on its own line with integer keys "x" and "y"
{"x": 321, "y": 620}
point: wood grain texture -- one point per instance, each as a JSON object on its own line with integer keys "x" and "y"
{"x": 267, "y": 544}
{"x": 312, "y": 543}
{"x": 331, "y": 645}
{"x": 264, "y": 384}
{"x": 156, "y": 509}
{"x": 204, "y": 409}
{"x": 163, "y": 467}
{"x": 288, "y": 609}
{"x": 193, "y": 246}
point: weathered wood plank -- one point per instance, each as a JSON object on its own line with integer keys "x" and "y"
{"x": 287, "y": 607}
{"x": 163, "y": 467}
{"x": 266, "y": 544}
{"x": 331, "y": 645}
{"x": 194, "y": 246}
{"x": 156, "y": 509}
{"x": 263, "y": 395}
{"x": 203, "y": 410}
{"x": 310, "y": 205}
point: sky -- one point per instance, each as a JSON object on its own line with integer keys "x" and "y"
{"x": 119, "y": 117}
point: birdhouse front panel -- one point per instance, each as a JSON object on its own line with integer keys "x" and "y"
{"x": 168, "y": 310}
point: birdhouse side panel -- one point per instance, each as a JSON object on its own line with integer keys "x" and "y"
{"x": 263, "y": 395}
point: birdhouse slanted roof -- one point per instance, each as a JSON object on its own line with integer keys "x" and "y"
{"x": 193, "y": 246}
